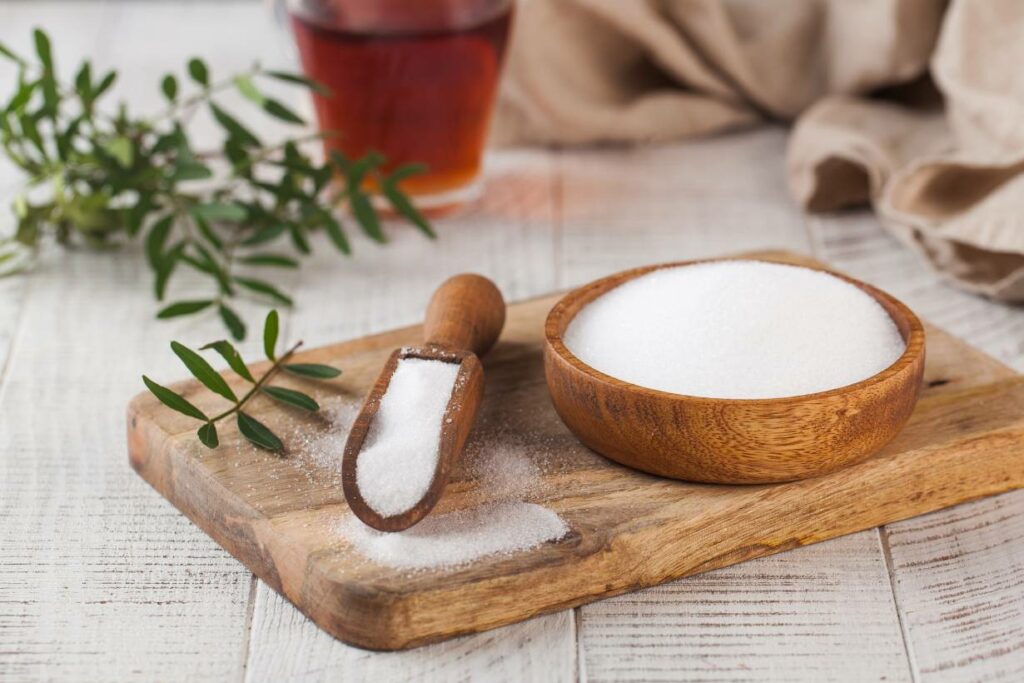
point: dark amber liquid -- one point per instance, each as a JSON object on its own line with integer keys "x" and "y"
{"x": 413, "y": 96}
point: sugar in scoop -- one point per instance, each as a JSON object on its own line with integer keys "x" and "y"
{"x": 736, "y": 329}
{"x": 397, "y": 463}
{"x": 417, "y": 415}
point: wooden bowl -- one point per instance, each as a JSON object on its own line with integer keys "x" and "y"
{"x": 730, "y": 441}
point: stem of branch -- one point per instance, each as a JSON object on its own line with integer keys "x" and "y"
{"x": 259, "y": 383}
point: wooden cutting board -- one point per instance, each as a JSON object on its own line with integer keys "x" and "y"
{"x": 628, "y": 530}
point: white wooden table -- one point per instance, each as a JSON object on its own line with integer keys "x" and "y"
{"x": 102, "y": 580}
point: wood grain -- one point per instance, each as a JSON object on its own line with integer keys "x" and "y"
{"x": 726, "y": 441}
{"x": 292, "y": 648}
{"x": 818, "y": 613}
{"x": 957, "y": 573}
{"x": 465, "y": 313}
{"x": 286, "y": 532}
{"x": 100, "y": 581}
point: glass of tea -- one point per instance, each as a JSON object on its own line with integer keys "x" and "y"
{"x": 412, "y": 79}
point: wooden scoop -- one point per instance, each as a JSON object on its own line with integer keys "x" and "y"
{"x": 464, "y": 319}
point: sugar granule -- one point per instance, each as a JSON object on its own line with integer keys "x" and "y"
{"x": 503, "y": 471}
{"x": 456, "y": 538}
{"x": 736, "y": 329}
{"x": 396, "y": 465}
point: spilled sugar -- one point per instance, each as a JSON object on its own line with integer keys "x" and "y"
{"x": 503, "y": 471}
{"x": 456, "y": 538}
{"x": 396, "y": 465}
{"x": 317, "y": 453}
{"x": 502, "y": 467}
{"x": 736, "y": 329}
{"x": 505, "y": 474}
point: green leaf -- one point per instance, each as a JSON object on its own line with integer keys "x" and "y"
{"x": 173, "y": 400}
{"x": 6, "y": 52}
{"x": 263, "y": 235}
{"x": 203, "y": 371}
{"x": 234, "y": 129}
{"x": 292, "y": 398}
{"x": 257, "y": 433}
{"x": 313, "y": 370}
{"x": 43, "y": 49}
{"x": 104, "y": 85}
{"x": 220, "y": 211}
{"x": 31, "y": 131}
{"x": 248, "y": 90}
{"x": 318, "y": 88}
{"x": 269, "y": 260}
{"x": 366, "y": 215}
{"x": 156, "y": 239}
{"x": 279, "y": 111}
{"x": 358, "y": 170}
{"x": 265, "y": 288}
{"x": 187, "y": 169}
{"x": 401, "y": 204}
{"x": 83, "y": 81}
{"x": 205, "y": 262}
{"x": 340, "y": 161}
{"x": 231, "y": 320}
{"x": 406, "y": 171}
{"x": 121, "y": 149}
{"x": 270, "y": 330}
{"x": 299, "y": 238}
{"x": 20, "y": 206}
{"x": 230, "y": 354}
{"x": 22, "y": 96}
{"x": 207, "y": 232}
{"x": 336, "y": 234}
{"x": 198, "y": 71}
{"x": 166, "y": 268}
{"x": 208, "y": 435}
{"x": 321, "y": 177}
{"x": 180, "y": 308}
{"x": 137, "y": 214}
{"x": 169, "y": 86}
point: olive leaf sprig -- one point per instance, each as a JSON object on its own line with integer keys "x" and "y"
{"x": 102, "y": 176}
{"x": 251, "y": 428}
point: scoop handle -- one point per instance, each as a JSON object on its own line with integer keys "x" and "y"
{"x": 466, "y": 313}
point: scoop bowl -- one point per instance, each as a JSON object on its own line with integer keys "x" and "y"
{"x": 730, "y": 441}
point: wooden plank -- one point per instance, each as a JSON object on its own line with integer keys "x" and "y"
{"x": 508, "y": 237}
{"x": 101, "y": 580}
{"x": 958, "y": 573}
{"x": 629, "y": 530}
{"x": 959, "y": 578}
{"x": 628, "y": 207}
{"x": 287, "y": 646}
{"x": 819, "y": 613}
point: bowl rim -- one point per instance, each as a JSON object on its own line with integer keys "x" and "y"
{"x": 588, "y": 292}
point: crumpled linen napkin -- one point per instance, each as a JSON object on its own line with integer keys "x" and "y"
{"x": 949, "y": 183}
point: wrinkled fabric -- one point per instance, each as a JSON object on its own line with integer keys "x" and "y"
{"x": 947, "y": 180}
{"x": 586, "y": 71}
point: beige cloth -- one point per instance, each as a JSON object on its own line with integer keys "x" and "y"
{"x": 948, "y": 183}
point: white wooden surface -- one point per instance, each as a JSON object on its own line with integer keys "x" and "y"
{"x": 100, "y": 579}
